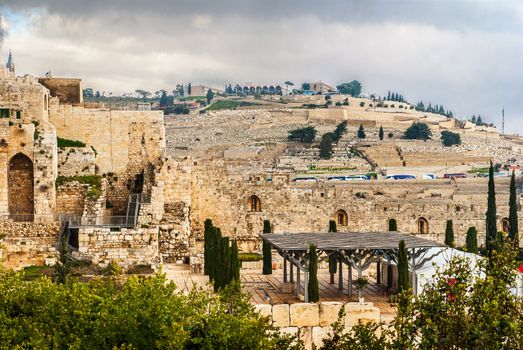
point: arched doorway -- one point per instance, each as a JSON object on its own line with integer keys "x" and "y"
{"x": 423, "y": 226}
{"x": 505, "y": 225}
{"x": 342, "y": 218}
{"x": 21, "y": 188}
{"x": 254, "y": 203}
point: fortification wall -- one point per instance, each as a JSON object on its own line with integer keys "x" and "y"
{"x": 127, "y": 247}
{"x": 76, "y": 161}
{"x": 26, "y": 244}
{"x": 222, "y": 191}
{"x": 117, "y": 136}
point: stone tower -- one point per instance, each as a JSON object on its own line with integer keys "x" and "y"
{"x": 10, "y": 63}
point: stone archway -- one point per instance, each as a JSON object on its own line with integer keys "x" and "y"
{"x": 423, "y": 226}
{"x": 21, "y": 188}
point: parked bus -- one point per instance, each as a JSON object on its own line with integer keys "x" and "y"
{"x": 401, "y": 177}
{"x": 455, "y": 176}
{"x": 348, "y": 178}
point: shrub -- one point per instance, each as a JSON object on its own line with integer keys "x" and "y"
{"x": 326, "y": 146}
{"x": 249, "y": 257}
{"x": 305, "y": 135}
{"x": 450, "y": 138}
{"x": 418, "y": 131}
{"x": 362, "y": 104}
{"x": 390, "y": 135}
{"x": 361, "y": 132}
{"x": 63, "y": 143}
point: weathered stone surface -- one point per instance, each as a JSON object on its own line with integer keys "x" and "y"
{"x": 329, "y": 312}
{"x": 318, "y": 334}
{"x": 304, "y": 315}
{"x": 357, "y": 312}
{"x": 264, "y": 309}
{"x": 305, "y": 334}
{"x": 280, "y": 315}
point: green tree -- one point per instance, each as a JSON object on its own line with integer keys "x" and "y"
{"x": 333, "y": 262}
{"x": 164, "y": 100}
{"x": 381, "y": 134}
{"x": 352, "y": 88}
{"x": 305, "y": 135}
{"x": 287, "y": 84}
{"x": 513, "y": 211}
{"x": 88, "y": 93}
{"x": 449, "y": 234}
{"x": 305, "y": 86}
{"x": 340, "y": 130}
{"x": 235, "y": 262}
{"x": 418, "y": 131}
{"x": 223, "y": 268}
{"x": 266, "y": 248}
{"x": 326, "y": 146}
{"x": 361, "y": 132}
{"x": 491, "y": 221}
{"x": 209, "y": 96}
{"x": 332, "y": 226}
{"x": 313, "y": 287}
{"x": 450, "y": 138}
{"x": 189, "y": 89}
{"x": 143, "y": 93}
{"x": 207, "y": 237}
{"x": 393, "y": 226}
{"x": 403, "y": 273}
{"x": 472, "y": 240}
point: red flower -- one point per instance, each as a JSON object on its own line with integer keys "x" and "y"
{"x": 520, "y": 269}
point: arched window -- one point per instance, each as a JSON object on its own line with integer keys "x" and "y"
{"x": 254, "y": 203}
{"x": 423, "y": 226}
{"x": 341, "y": 218}
{"x": 21, "y": 188}
{"x": 505, "y": 225}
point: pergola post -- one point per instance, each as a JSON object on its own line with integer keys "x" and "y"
{"x": 292, "y": 272}
{"x": 340, "y": 275}
{"x": 284, "y": 270}
{"x": 350, "y": 280}
{"x": 331, "y": 274}
{"x": 414, "y": 279}
{"x": 378, "y": 270}
{"x": 298, "y": 282}
{"x": 306, "y": 287}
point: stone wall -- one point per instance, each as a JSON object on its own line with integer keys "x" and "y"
{"x": 70, "y": 198}
{"x": 221, "y": 191}
{"x": 76, "y": 161}
{"x": 312, "y": 322}
{"x": 67, "y": 90}
{"x": 126, "y": 246}
{"x": 118, "y": 137}
{"x": 25, "y": 244}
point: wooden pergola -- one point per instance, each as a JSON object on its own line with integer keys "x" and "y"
{"x": 357, "y": 250}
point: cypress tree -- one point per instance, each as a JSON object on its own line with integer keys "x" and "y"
{"x": 393, "y": 226}
{"x": 267, "y": 258}
{"x": 206, "y": 245}
{"x": 381, "y": 133}
{"x": 333, "y": 263}
{"x": 235, "y": 263}
{"x": 472, "y": 240}
{"x": 267, "y": 254}
{"x": 492, "y": 232}
{"x": 361, "y": 132}
{"x": 403, "y": 268}
{"x": 222, "y": 273}
{"x": 313, "y": 287}
{"x": 216, "y": 239}
{"x": 513, "y": 211}
{"x": 449, "y": 234}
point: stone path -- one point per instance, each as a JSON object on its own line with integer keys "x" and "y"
{"x": 267, "y": 289}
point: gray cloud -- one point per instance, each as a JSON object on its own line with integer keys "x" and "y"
{"x": 463, "y": 54}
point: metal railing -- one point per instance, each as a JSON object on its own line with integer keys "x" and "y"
{"x": 104, "y": 221}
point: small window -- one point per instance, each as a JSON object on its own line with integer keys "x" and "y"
{"x": 254, "y": 203}
{"x": 18, "y": 114}
{"x": 423, "y": 226}
{"x": 4, "y": 113}
{"x": 341, "y": 218}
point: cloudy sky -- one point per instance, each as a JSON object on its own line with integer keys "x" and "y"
{"x": 466, "y": 55}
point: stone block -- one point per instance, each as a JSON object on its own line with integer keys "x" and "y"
{"x": 280, "y": 315}
{"x": 329, "y": 312}
{"x": 304, "y": 315}
{"x": 305, "y": 335}
{"x": 318, "y": 334}
{"x": 264, "y": 309}
{"x": 357, "y": 312}
{"x": 289, "y": 330}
